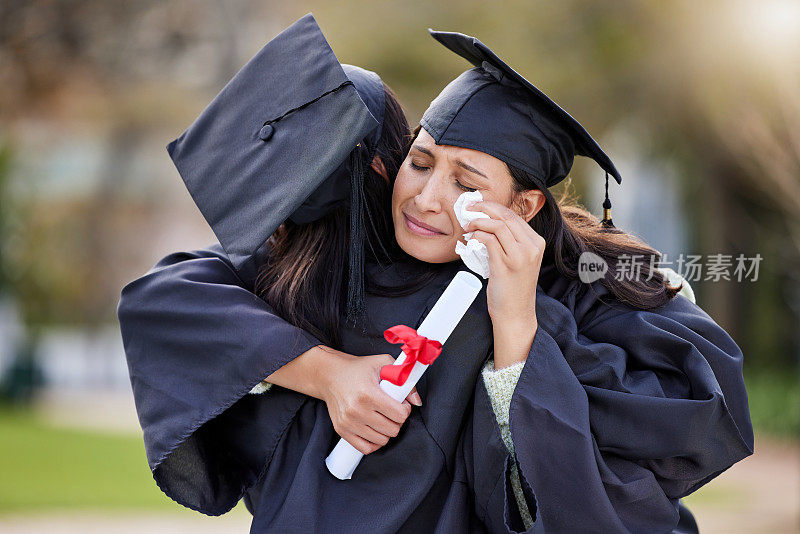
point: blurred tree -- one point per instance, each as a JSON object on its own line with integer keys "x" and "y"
{"x": 713, "y": 84}
{"x": 23, "y": 374}
{"x": 6, "y": 209}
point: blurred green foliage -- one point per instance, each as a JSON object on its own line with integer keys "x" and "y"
{"x": 774, "y": 397}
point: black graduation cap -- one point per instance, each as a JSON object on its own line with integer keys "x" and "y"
{"x": 290, "y": 136}
{"x": 493, "y": 109}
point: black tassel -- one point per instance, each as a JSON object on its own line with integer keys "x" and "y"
{"x": 356, "y": 305}
{"x": 607, "y": 222}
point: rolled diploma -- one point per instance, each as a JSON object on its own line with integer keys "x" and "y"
{"x": 439, "y": 324}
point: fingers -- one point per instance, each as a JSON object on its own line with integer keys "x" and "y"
{"x": 396, "y": 411}
{"x": 519, "y": 242}
{"x": 499, "y": 229}
{"x": 516, "y": 224}
{"x": 382, "y": 424}
{"x": 371, "y": 435}
{"x": 365, "y": 437}
{"x": 414, "y": 398}
{"x": 362, "y": 445}
{"x": 383, "y": 359}
{"x": 496, "y": 254}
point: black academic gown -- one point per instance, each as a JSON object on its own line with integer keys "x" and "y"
{"x": 618, "y": 413}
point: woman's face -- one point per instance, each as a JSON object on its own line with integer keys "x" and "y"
{"x": 428, "y": 183}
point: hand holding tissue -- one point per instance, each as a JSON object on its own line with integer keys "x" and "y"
{"x": 474, "y": 253}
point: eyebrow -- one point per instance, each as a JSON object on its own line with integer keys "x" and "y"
{"x": 460, "y": 163}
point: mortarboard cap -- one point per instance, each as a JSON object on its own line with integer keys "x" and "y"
{"x": 288, "y": 137}
{"x": 493, "y": 109}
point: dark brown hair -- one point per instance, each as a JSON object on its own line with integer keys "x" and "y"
{"x": 305, "y": 275}
{"x": 570, "y": 230}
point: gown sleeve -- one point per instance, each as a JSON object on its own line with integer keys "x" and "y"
{"x": 197, "y": 340}
{"x": 618, "y": 413}
{"x": 500, "y": 384}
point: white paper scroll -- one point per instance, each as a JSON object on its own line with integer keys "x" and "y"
{"x": 439, "y": 324}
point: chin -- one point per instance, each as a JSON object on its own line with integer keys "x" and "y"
{"x": 424, "y": 249}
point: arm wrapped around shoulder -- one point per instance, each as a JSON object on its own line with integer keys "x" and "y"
{"x": 620, "y": 412}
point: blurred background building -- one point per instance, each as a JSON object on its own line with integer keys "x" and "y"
{"x": 698, "y": 103}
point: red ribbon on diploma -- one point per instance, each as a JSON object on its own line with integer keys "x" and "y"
{"x": 417, "y": 348}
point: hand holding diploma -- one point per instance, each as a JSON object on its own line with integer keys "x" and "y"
{"x": 361, "y": 412}
{"x": 434, "y": 330}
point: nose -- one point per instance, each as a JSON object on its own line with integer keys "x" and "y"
{"x": 428, "y": 199}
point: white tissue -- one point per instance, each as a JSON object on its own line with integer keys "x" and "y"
{"x": 474, "y": 254}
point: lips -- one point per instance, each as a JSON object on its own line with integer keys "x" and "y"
{"x": 422, "y": 224}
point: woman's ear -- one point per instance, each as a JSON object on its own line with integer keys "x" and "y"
{"x": 528, "y": 203}
{"x": 380, "y": 168}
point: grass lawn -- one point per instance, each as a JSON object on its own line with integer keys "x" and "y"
{"x": 44, "y": 467}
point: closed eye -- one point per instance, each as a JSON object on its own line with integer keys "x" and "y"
{"x": 421, "y": 168}
{"x": 464, "y": 187}
{"x": 418, "y": 167}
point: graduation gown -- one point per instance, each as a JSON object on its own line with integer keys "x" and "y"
{"x": 618, "y": 413}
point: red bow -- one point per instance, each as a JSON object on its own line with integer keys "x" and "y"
{"x": 417, "y": 348}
